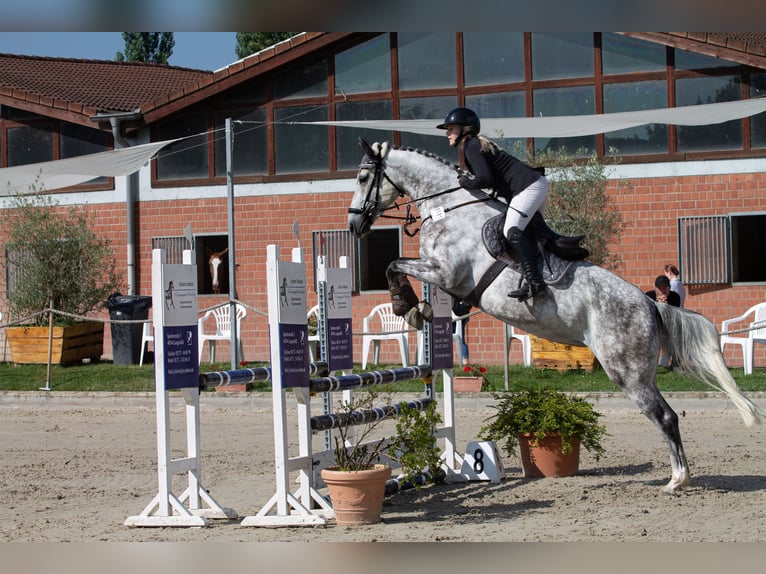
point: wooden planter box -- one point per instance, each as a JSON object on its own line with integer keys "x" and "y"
{"x": 71, "y": 344}
{"x": 551, "y": 355}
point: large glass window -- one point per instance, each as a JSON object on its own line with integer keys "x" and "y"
{"x": 692, "y": 61}
{"x": 505, "y": 105}
{"x": 632, "y": 96}
{"x": 426, "y": 60}
{"x": 306, "y": 82}
{"x": 709, "y": 90}
{"x": 758, "y": 122}
{"x": 30, "y": 144}
{"x": 435, "y": 108}
{"x": 364, "y": 68}
{"x": 622, "y": 55}
{"x": 187, "y": 158}
{"x": 347, "y": 139}
{"x": 493, "y": 57}
{"x": 576, "y": 101}
{"x": 556, "y": 56}
{"x": 78, "y": 140}
{"x": 301, "y": 148}
{"x": 250, "y": 149}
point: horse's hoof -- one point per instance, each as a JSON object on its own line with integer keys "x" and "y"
{"x": 426, "y": 310}
{"x": 675, "y": 486}
{"x": 414, "y": 318}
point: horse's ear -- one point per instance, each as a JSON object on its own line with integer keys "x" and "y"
{"x": 366, "y": 148}
{"x": 225, "y": 251}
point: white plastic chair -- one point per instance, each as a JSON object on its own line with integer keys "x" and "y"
{"x": 746, "y": 340}
{"x": 222, "y": 329}
{"x": 146, "y": 338}
{"x": 382, "y": 325}
{"x": 313, "y": 339}
{"x": 526, "y": 344}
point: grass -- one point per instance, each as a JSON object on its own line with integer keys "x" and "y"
{"x": 106, "y": 376}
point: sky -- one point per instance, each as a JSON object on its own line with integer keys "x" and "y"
{"x": 199, "y": 50}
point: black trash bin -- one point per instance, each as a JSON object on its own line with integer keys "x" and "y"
{"x": 126, "y": 337}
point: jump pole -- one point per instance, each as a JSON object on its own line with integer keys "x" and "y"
{"x": 176, "y": 366}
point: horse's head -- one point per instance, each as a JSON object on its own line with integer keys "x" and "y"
{"x": 374, "y": 190}
{"x": 215, "y": 258}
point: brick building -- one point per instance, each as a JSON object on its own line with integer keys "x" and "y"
{"x": 696, "y": 197}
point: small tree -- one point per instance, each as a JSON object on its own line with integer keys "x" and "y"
{"x": 54, "y": 256}
{"x": 147, "y": 47}
{"x": 252, "y": 42}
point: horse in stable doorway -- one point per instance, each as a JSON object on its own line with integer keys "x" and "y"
{"x": 218, "y": 271}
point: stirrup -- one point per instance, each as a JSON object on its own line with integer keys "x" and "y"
{"x": 526, "y": 290}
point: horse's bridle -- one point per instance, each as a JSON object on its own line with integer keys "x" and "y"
{"x": 371, "y": 207}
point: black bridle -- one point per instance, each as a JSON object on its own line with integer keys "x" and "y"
{"x": 371, "y": 210}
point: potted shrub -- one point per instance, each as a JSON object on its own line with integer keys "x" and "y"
{"x": 54, "y": 260}
{"x": 545, "y": 423}
{"x": 471, "y": 381}
{"x": 357, "y": 480}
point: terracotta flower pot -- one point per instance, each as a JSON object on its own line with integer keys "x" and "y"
{"x": 467, "y": 384}
{"x": 546, "y": 459}
{"x": 357, "y": 495}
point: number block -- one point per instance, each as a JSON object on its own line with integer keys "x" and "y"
{"x": 482, "y": 462}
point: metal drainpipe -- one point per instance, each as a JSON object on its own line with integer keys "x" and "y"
{"x": 130, "y": 194}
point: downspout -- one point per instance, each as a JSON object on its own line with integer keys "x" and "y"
{"x": 131, "y": 187}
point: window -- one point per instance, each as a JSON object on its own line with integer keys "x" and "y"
{"x": 250, "y": 149}
{"x": 622, "y": 55}
{"x": 347, "y": 139}
{"x": 369, "y": 256}
{"x": 631, "y": 96}
{"x": 493, "y": 58}
{"x": 748, "y": 245}
{"x": 364, "y": 68}
{"x": 758, "y": 122}
{"x": 435, "y": 107}
{"x": 426, "y": 61}
{"x": 203, "y": 247}
{"x": 503, "y": 105}
{"x": 30, "y": 144}
{"x": 574, "y": 101}
{"x": 185, "y": 159}
{"x": 557, "y": 56}
{"x": 301, "y": 148}
{"x": 306, "y": 82}
{"x": 708, "y": 90}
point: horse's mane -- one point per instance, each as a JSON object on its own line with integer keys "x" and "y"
{"x": 430, "y": 155}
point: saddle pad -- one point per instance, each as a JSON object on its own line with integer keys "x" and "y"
{"x": 552, "y": 268}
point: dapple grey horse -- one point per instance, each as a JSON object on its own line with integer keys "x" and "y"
{"x": 584, "y": 304}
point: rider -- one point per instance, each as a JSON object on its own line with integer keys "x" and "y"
{"x": 525, "y": 188}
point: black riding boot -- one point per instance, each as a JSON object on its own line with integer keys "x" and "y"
{"x": 525, "y": 252}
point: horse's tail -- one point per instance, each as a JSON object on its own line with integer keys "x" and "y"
{"x": 692, "y": 341}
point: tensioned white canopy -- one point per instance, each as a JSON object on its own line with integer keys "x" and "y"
{"x": 65, "y": 172}
{"x": 571, "y": 126}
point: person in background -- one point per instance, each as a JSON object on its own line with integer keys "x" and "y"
{"x": 662, "y": 294}
{"x": 674, "y": 275}
{"x": 461, "y": 309}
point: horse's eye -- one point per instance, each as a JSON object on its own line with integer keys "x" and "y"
{"x": 363, "y": 177}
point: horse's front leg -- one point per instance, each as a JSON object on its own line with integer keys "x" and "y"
{"x": 404, "y": 300}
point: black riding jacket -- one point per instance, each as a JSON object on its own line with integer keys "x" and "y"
{"x": 500, "y": 171}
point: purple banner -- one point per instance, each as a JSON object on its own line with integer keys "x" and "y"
{"x": 340, "y": 350}
{"x": 181, "y": 357}
{"x": 294, "y": 350}
{"x": 441, "y": 336}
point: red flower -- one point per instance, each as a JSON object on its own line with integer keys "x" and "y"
{"x": 475, "y": 371}
{"x": 243, "y": 363}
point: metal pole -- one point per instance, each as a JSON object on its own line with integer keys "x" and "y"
{"x": 47, "y": 386}
{"x": 232, "y": 251}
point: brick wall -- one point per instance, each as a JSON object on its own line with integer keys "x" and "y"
{"x": 649, "y": 242}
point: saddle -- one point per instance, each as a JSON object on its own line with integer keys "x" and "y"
{"x": 556, "y": 254}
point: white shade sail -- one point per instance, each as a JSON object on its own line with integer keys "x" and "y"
{"x": 72, "y": 171}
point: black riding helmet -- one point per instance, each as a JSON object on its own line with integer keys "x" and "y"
{"x": 461, "y": 117}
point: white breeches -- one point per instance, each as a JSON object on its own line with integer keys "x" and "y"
{"x": 533, "y": 198}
